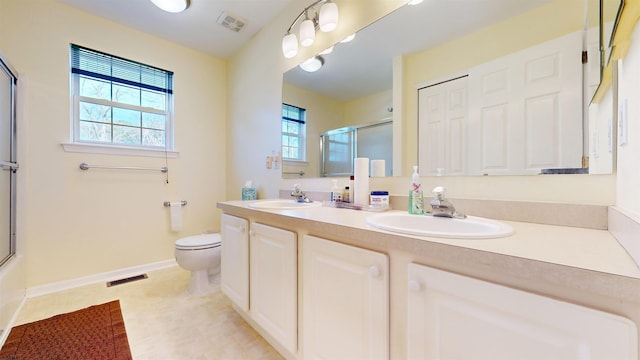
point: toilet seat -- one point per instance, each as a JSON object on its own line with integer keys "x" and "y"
{"x": 198, "y": 242}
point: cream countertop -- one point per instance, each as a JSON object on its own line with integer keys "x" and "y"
{"x": 589, "y": 249}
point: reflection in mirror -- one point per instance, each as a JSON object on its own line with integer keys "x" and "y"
{"x": 339, "y": 148}
{"x": 355, "y": 84}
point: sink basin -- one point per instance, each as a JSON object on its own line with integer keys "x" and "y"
{"x": 282, "y": 205}
{"x": 470, "y": 228}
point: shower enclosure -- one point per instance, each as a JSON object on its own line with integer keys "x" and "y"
{"x": 339, "y": 147}
{"x": 8, "y": 163}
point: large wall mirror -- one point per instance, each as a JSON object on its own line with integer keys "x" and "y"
{"x": 422, "y": 46}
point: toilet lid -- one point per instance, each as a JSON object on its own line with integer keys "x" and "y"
{"x": 198, "y": 241}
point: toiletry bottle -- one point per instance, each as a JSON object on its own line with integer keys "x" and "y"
{"x": 346, "y": 195}
{"x": 416, "y": 199}
{"x": 352, "y": 189}
{"x": 336, "y": 193}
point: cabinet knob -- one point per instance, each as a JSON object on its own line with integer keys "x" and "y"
{"x": 374, "y": 271}
{"x": 243, "y": 228}
{"x": 414, "y": 286}
{"x": 252, "y": 232}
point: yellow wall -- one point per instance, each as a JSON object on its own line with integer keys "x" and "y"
{"x": 323, "y": 114}
{"x": 79, "y": 223}
{"x": 369, "y": 109}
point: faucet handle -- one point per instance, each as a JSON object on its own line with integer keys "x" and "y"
{"x": 296, "y": 188}
{"x": 438, "y": 192}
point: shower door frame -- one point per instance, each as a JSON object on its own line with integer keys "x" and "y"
{"x": 10, "y": 164}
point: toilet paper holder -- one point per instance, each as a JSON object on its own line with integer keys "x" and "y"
{"x": 168, "y": 203}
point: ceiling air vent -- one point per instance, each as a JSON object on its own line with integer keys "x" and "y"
{"x": 231, "y": 21}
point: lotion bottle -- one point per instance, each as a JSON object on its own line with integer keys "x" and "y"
{"x": 336, "y": 192}
{"x": 416, "y": 198}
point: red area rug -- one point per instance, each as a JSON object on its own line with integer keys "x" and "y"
{"x": 96, "y": 332}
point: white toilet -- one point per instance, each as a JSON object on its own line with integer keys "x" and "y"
{"x": 199, "y": 254}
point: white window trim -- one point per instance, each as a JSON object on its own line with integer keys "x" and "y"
{"x": 118, "y": 150}
{"x": 77, "y": 146}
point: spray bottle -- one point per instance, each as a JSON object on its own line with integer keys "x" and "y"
{"x": 416, "y": 198}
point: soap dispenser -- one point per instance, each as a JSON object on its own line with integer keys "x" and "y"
{"x": 416, "y": 198}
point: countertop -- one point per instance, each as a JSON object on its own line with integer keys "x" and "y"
{"x": 588, "y": 249}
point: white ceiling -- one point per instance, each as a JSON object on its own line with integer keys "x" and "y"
{"x": 197, "y": 27}
{"x": 364, "y": 66}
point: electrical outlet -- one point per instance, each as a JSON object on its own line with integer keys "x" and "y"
{"x": 623, "y": 129}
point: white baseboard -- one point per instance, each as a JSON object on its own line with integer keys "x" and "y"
{"x": 96, "y": 278}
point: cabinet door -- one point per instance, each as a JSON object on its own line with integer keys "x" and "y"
{"x": 457, "y": 317}
{"x": 345, "y": 301}
{"x": 234, "y": 272}
{"x": 273, "y": 283}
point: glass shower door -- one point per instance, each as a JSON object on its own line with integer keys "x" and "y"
{"x": 8, "y": 162}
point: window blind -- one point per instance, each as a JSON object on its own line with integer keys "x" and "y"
{"x": 293, "y": 113}
{"x": 112, "y": 68}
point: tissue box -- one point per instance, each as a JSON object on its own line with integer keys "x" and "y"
{"x": 248, "y": 193}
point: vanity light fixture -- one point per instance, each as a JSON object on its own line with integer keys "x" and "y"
{"x": 172, "y": 6}
{"x": 313, "y": 64}
{"x": 325, "y": 19}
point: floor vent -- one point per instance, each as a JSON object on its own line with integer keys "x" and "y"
{"x": 126, "y": 280}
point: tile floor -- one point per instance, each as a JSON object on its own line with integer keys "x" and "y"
{"x": 162, "y": 320}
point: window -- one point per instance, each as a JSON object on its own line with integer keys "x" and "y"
{"x": 120, "y": 102}
{"x": 293, "y": 132}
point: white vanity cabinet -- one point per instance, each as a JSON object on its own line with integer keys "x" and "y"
{"x": 273, "y": 283}
{"x": 456, "y": 317}
{"x": 345, "y": 300}
{"x": 234, "y": 262}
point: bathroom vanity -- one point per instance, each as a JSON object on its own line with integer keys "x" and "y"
{"x": 320, "y": 282}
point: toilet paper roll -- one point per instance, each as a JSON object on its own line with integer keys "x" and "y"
{"x": 377, "y": 168}
{"x": 361, "y": 181}
{"x": 176, "y": 215}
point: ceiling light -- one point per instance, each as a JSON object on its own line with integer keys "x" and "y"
{"x": 307, "y": 32}
{"x": 172, "y": 6}
{"x": 414, "y": 2}
{"x": 328, "y": 17}
{"x": 313, "y": 64}
{"x": 290, "y": 45}
{"x": 348, "y": 38}
{"x": 311, "y": 18}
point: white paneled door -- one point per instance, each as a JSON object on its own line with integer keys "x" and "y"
{"x": 442, "y": 118}
{"x": 457, "y": 317}
{"x": 526, "y": 110}
{"x": 274, "y": 283}
{"x": 234, "y": 272}
{"x": 345, "y": 301}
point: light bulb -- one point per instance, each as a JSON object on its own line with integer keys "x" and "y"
{"x": 414, "y": 2}
{"x": 307, "y": 32}
{"x": 328, "y": 17}
{"x": 290, "y": 45}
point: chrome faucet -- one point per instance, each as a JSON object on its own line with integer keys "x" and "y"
{"x": 441, "y": 207}
{"x": 299, "y": 195}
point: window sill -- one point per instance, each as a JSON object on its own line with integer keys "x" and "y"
{"x": 118, "y": 150}
{"x": 295, "y": 162}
